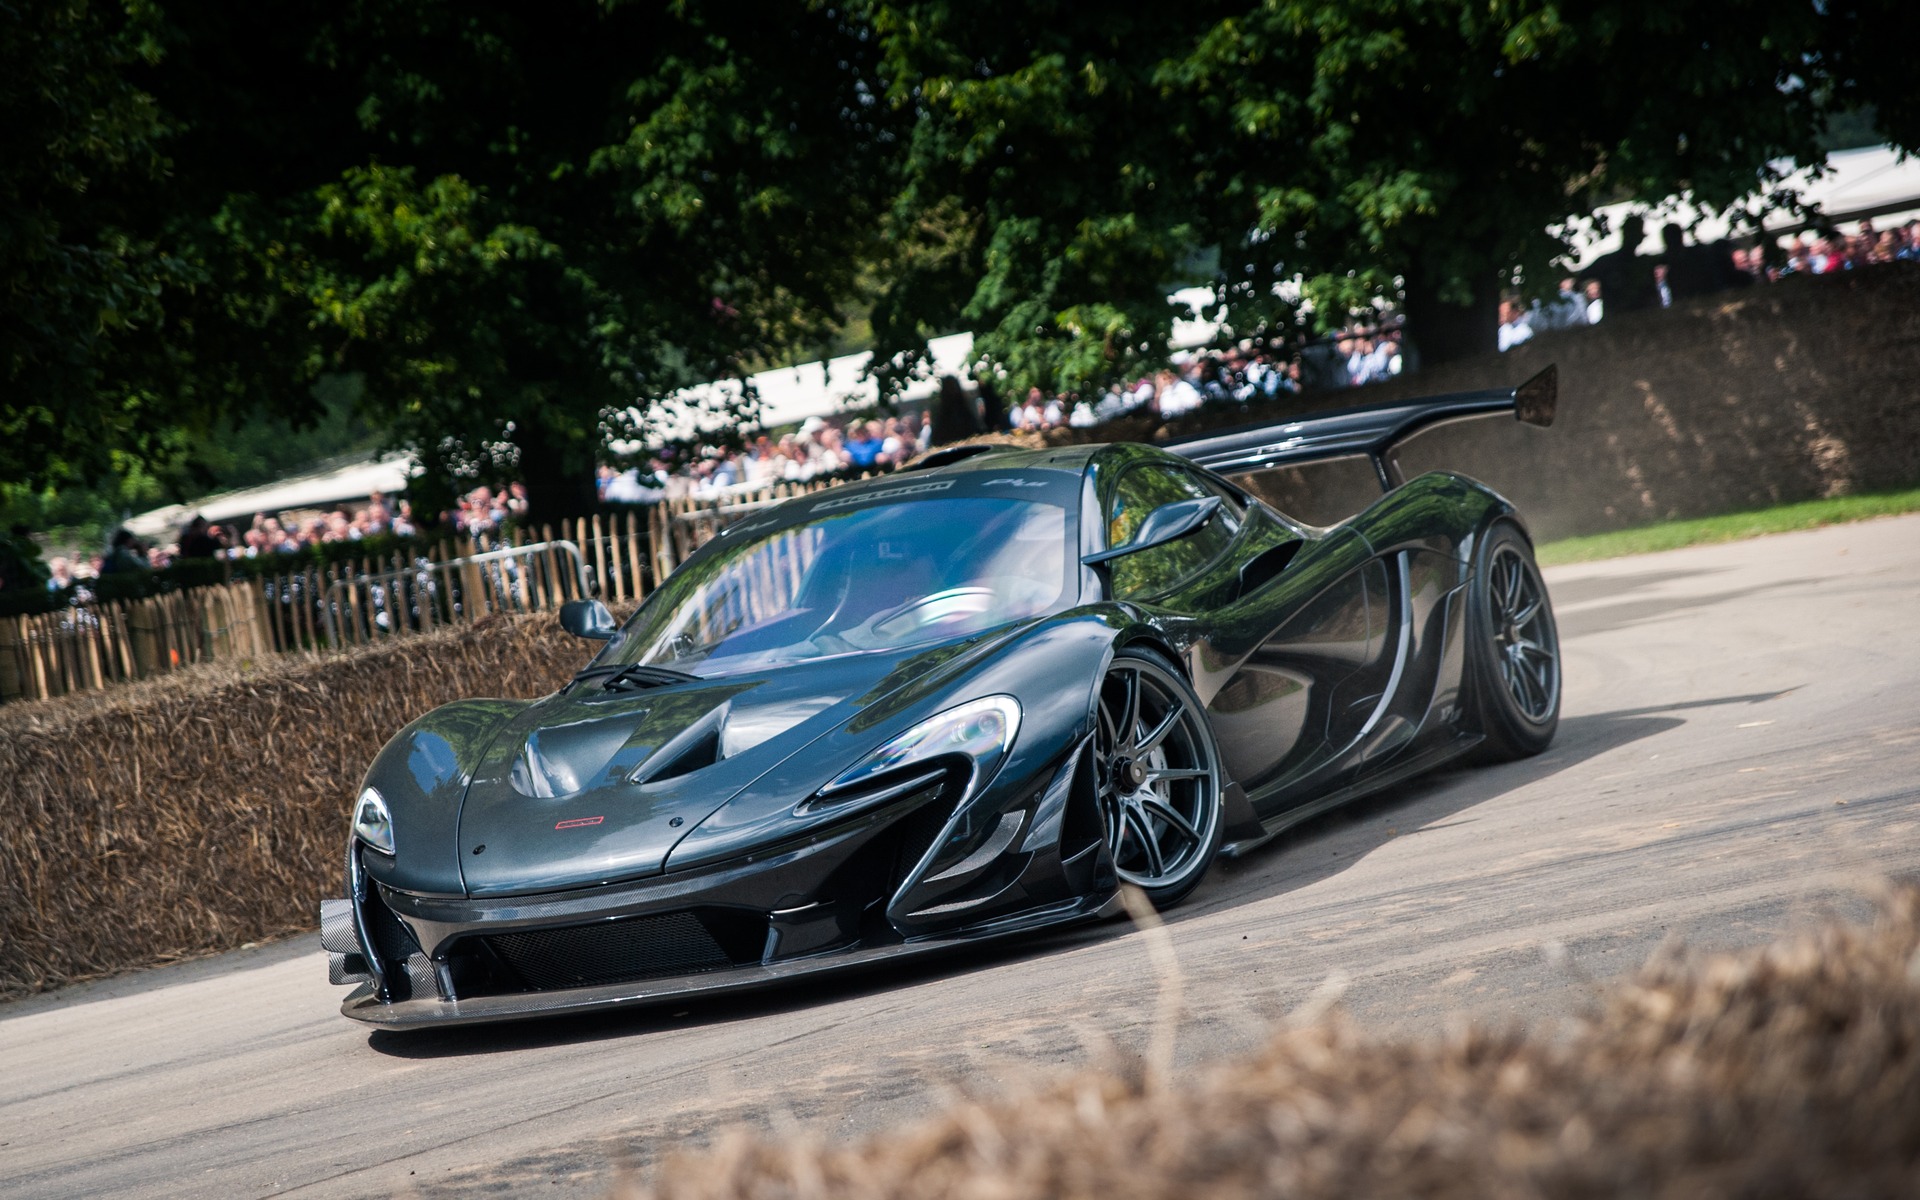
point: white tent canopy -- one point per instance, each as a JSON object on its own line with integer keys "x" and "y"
{"x": 790, "y": 395}
{"x": 1875, "y": 181}
{"x": 320, "y": 489}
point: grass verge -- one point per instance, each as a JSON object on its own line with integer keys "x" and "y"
{"x": 1731, "y": 527}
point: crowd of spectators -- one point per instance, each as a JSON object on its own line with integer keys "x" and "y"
{"x": 1234, "y": 375}
{"x": 265, "y": 535}
{"x": 820, "y": 447}
{"x": 831, "y": 446}
{"x": 1626, "y": 280}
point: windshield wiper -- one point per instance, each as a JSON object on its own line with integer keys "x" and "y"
{"x": 633, "y": 676}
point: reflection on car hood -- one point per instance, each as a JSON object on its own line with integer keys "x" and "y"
{"x": 588, "y": 786}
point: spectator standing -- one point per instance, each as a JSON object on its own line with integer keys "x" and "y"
{"x": 197, "y": 540}
{"x": 898, "y": 443}
{"x": 993, "y": 410}
{"x": 125, "y": 554}
{"x": 864, "y": 445}
{"x": 1625, "y": 278}
{"x": 1176, "y": 396}
{"x": 955, "y": 416}
{"x": 1514, "y": 326}
{"x": 1028, "y": 415}
{"x": 1567, "y": 309}
{"x": 1323, "y": 367}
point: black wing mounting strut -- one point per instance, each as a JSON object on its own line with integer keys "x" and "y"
{"x": 1373, "y": 431}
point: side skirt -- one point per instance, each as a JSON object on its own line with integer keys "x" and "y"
{"x": 1426, "y": 760}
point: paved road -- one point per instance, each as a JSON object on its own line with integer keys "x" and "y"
{"x": 1740, "y": 752}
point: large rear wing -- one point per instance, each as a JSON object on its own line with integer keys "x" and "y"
{"x": 1372, "y": 431}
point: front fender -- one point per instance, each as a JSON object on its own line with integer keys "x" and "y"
{"x": 423, "y": 773}
{"x": 1050, "y": 667}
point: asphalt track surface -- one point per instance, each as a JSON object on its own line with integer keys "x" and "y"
{"x": 1739, "y": 754}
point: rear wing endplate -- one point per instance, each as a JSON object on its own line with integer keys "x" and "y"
{"x": 1372, "y": 431}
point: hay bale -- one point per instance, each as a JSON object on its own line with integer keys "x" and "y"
{"x": 1790, "y": 1071}
{"x": 206, "y": 809}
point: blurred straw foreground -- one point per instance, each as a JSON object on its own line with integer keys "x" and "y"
{"x": 202, "y": 810}
{"x": 1788, "y": 1071}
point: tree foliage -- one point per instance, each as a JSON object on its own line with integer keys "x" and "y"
{"x": 79, "y": 146}
{"x": 1369, "y": 148}
{"x": 520, "y": 225}
{"x": 511, "y": 222}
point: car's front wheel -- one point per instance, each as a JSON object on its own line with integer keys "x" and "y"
{"x": 1158, "y": 773}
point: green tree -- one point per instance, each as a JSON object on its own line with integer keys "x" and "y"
{"x": 516, "y": 225}
{"x": 520, "y": 226}
{"x": 79, "y": 147}
{"x": 1411, "y": 150}
{"x": 513, "y": 224}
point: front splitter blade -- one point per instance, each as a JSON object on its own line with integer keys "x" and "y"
{"x": 362, "y": 1004}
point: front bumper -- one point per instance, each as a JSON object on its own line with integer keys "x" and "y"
{"x": 364, "y": 1003}
{"x": 909, "y": 879}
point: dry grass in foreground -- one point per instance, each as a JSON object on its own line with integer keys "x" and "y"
{"x": 1789, "y": 1071}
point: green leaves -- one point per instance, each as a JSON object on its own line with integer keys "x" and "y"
{"x": 526, "y": 228}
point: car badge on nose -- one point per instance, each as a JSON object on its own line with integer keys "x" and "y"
{"x": 577, "y": 822}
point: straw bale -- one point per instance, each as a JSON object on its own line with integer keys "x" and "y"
{"x": 207, "y": 809}
{"x": 1789, "y": 1071}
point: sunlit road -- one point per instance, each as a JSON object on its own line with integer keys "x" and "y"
{"x": 1740, "y": 752}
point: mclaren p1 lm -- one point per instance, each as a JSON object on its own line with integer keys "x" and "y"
{"x": 959, "y": 702}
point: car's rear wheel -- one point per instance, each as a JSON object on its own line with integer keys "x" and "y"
{"x": 1513, "y": 649}
{"x": 1158, "y": 774}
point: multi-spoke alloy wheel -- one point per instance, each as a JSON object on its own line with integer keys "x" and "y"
{"x": 1517, "y": 649}
{"x": 1523, "y": 631}
{"x": 1159, "y": 778}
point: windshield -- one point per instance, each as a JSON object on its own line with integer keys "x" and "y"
{"x": 878, "y": 569}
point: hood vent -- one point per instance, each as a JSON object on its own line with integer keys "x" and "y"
{"x": 695, "y": 747}
{"x": 564, "y": 760}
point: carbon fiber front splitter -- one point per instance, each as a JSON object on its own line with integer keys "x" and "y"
{"x": 363, "y": 1005}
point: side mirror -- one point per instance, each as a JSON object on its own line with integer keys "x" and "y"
{"x": 588, "y": 619}
{"x": 1164, "y": 524}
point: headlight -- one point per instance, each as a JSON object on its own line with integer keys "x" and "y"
{"x": 981, "y": 731}
{"x": 372, "y": 823}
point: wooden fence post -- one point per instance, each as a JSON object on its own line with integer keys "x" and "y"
{"x": 13, "y": 676}
{"x": 613, "y": 588}
{"x": 269, "y": 628}
{"x": 114, "y": 615}
{"x": 95, "y": 633}
{"x": 473, "y": 602}
{"x": 660, "y": 535}
{"x": 637, "y": 559}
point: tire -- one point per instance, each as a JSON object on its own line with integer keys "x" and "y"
{"x": 1513, "y": 649}
{"x": 1157, "y": 773}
